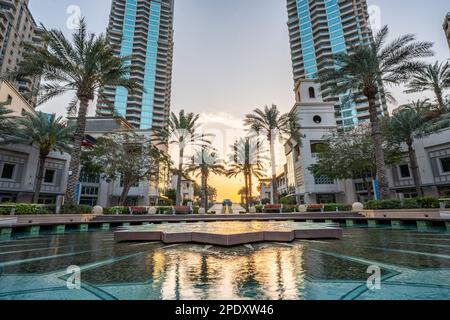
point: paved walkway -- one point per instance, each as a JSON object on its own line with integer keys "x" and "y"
{"x": 218, "y": 208}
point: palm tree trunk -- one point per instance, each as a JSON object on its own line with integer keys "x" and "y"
{"x": 39, "y": 177}
{"x": 250, "y": 186}
{"x": 74, "y": 167}
{"x": 246, "y": 189}
{"x": 274, "y": 170}
{"x": 378, "y": 143}
{"x": 205, "y": 190}
{"x": 440, "y": 99}
{"x": 179, "y": 199}
{"x": 414, "y": 168}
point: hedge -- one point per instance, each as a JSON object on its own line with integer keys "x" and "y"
{"x": 413, "y": 203}
{"x": 26, "y": 208}
{"x": 75, "y": 209}
{"x": 333, "y": 207}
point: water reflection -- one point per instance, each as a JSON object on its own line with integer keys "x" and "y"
{"x": 273, "y": 272}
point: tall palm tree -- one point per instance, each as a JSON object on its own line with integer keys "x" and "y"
{"x": 47, "y": 133}
{"x": 410, "y": 123}
{"x": 83, "y": 66}
{"x": 367, "y": 69}
{"x": 205, "y": 163}
{"x": 247, "y": 158}
{"x": 434, "y": 77}
{"x": 271, "y": 123}
{"x": 181, "y": 130}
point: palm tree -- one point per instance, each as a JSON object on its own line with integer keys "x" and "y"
{"x": 6, "y": 125}
{"x": 270, "y": 122}
{"x": 205, "y": 162}
{"x": 181, "y": 130}
{"x": 247, "y": 158}
{"x": 82, "y": 66}
{"x": 434, "y": 77}
{"x": 366, "y": 69}
{"x": 410, "y": 123}
{"x": 243, "y": 192}
{"x": 47, "y": 133}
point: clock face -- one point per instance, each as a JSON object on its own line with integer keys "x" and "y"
{"x": 317, "y": 119}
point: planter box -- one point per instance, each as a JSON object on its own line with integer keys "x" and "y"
{"x": 53, "y": 218}
{"x": 402, "y": 213}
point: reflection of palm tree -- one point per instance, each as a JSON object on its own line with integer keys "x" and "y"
{"x": 367, "y": 69}
{"x": 247, "y": 158}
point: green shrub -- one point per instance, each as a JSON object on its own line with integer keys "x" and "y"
{"x": 289, "y": 208}
{"x": 75, "y": 209}
{"x": 428, "y": 203}
{"x": 391, "y": 204}
{"x": 259, "y": 208}
{"x": 372, "y": 205}
{"x": 5, "y": 209}
{"x": 116, "y": 210}
{"x": 288, "y": 201}
{"x": 164, "y": 210}
{"x": 332, "y": 207}
{"x": 26, "y": 208}
{"x": 412, "y": 203}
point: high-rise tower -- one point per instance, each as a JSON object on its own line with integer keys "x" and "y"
{"x": 142, "y": 30}
{"x": 17, "y": 28}
{"x": 318, "y": 29}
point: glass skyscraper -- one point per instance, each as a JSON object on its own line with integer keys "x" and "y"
{"x": 318, "y": 29}
{"x": 143, "y": 30}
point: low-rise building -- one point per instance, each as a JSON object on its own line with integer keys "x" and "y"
{"x": 187, "y": 187}
{"x": 19, "y": 163}
{"x": 316, "y": 119}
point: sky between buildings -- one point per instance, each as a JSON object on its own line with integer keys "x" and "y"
{"x": 233, "y": 56}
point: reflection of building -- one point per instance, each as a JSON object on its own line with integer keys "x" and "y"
{"x": 18, "y": 163}
{"x": 320, "y": 29}
{"x": 447, "y": 27}
{"x": 187, "y": 187}
{"x": 17, "y": 27}
{"x": 316, "y": 119}
{"x": 142, "y": 29}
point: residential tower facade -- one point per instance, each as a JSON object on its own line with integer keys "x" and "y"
{"x": 17, "y": 27}
{"x": 319, "y": 29}
{"x": 142, "y": 30}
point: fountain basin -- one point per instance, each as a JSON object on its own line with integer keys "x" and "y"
{"x": 229, "y": 233}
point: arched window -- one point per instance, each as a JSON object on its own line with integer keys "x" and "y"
{"x": 312, "y": 93}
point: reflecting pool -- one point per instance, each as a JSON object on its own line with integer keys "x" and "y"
{"x": 413, "y": 265}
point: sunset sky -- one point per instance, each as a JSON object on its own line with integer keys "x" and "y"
{"x": 233, "y": 56}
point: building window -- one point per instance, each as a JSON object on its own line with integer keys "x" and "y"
{"x": 445, "y": 165}
{"x": 312, "y": 93}
{"x": 49, "y": 176}
{"x": 323, "y": 180}
{"x": 404, "y": 171}
{"x": 8, "y": 171}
